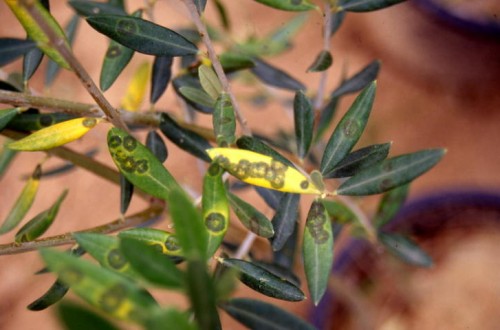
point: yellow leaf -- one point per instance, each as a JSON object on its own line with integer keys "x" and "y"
{"x": 55, "y": 135}
{"x": 261, "y": 170}
{"x": 36, "y": 33}
{"x": 137, "y": 88}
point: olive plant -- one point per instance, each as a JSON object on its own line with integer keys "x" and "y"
{"x": 131, "y": 256}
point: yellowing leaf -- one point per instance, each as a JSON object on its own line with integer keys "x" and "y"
{"x": 55, "y": 135}
{"x": 35, "y": 32}
{"x": 261, "y": 170}
{"x": 137, "y": 88}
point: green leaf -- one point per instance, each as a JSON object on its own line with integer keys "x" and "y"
{"x": 232, "y": 61}
{"x": 170, "y": 317}
{"x": 197, "y": 96}
{"x": 7, "y": 115}
{"x": 224, "y": 121}
{"x": 36, "y": 121}
{"x": 391, "y": 203}
{"x": 336, "y": 21}
{"x": 339, "y": 212}
{"x": 23, "y": 202}
{"x": 275, "y": 77}
{"x": 126, "y": 192}
{"x": 286, "y": 256}
{"x": 289, "y": 5}
{"x": 105, "y": 289}
{"x": 155, "y": 143}
{"x": 317, "y": 250}
{"x": 284, "y": 220}
{"x": 200, "y": 5}
{"x": 54, "y": 294}
{"x": 366, "y": 5}
{"x": 326, "y": 117}
{"x": 142, "y": 36}
{"x": 349, "y": 130}
{"x": 189, "y": 226}
{"x": 215, "y": 207}
{"x": 116, "y": 59}
{"x": 250, "y": 217}
{"x": 256, "y": 145}
{"x": 263, "y": 281}
{"x": 11, "y": 49}
{"x": 6, "y": 157}
{"x": 139, "y": 165}
{"x": 222, "y": 12}
{"x": 359, "y": 81}
{"x": 360, "y": 159}
{"x": 184, "y": 138}
{"x": 40, "y": 223}
{"x": 256, "y": 314}
{"x": 31, "y": 62}
{"x": 303, "y": 116}
{"x": 405, "y": 249}
{"x": 104, "y": 249}
{"x": 322, "y": 62}
{"x": 151, "y": 263}
{"x": 200, "y": 103}
{"x": 90, "y": 8}
{"x": 162, "y": 72}
{"x": 391, "y": 173}
{"x": 209, "y": 81}
{"x": 76, "y": 317}
{"x": 164, "y": 241}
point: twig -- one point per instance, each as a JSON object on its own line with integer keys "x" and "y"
{"x": 245, "y": 246}
{"x": 59, "y": 44}
{"x": 202, "y": 30}
{"x": 327, "y": 17}
{"x": 152, "y": 212}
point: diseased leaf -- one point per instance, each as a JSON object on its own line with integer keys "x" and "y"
{"x": 162, "y": 72}
{"x": 256, "y": 314}
{"x": 256, "y": 145}
{"x": 284, "y": 220}
{"x": 322, "y": 62}
{"x": 263, "y": 281}
{"x": 88, "y": 8}
{"x": 36, "y": 121}
{"x": 360, "y": 159}
{"x": 11, "y": 49}
{"x": 116, "y": 59}
{"x": 366, "y": 5}
{"x": 76, "y": 317}
{"x": 184, "y": 138}
{"x": 289, "y": 5}
{"x": 56, "y": 135}
{"x": 54, "y": 294}
{"x": 275, "y": 77}
{"x": 215, "y": 207}
{"x": 23, "y": 202}
{"x": 7, "y": 115}
{"x": 126, "y": 192}
{"x": 261, "y": 170}
{"x": 100, "y": 287}
{"x": 405, "y": 249}
{"x": 155, "y": 143}
{"x": 142, "y": 36}
{"x": 391, "y": 173}
{"x": 224, "y": 121}
{"x": 162, "y": 240}
{"x": 359, "y": 81}
{"x": 391, "y": 203}
{"x": 139, "y": 165}
{"x": 250, "y": 217}
{"x": 205, "y": 105}
{"x": 317, "y": 250}
{"x": 136, "y": 89}
{"x": 40, "y": 223}
{"x": 209, "y": 81}
{"x": 303, "y": 116}
{"x": 349, "y": 130}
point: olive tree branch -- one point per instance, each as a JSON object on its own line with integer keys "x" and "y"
{"x": 327, "y": 17}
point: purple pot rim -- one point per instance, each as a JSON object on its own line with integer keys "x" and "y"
{"x": 482, "y": 197}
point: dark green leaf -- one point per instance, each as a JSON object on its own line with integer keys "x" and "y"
{"x": 280, "y": 271}
{"x": 192, "y": 82}
{"x": 224, "y": 121}
{"x": 256, "y": 145}
{"x": 221, "y": 10}
{"x": 322, "y": 62}
{"x": 263, "y": 281}
{"x": 117, "y": 3}
{"x": 170, "y": 317}
{"x": 359, "y": 81}
{"x": 284, "y": 220}
{"x": 200, "y": 5}
{"x": 7, "y": 115}
{"x": 126, "y": 192}
{"x": 391, "y": 173}
{"x": 76, "y": 317}
{"x": 336, "y": 21}
{"x": 116, "y": 59}
{"x": 155, "y": 143}
{"x": 184, "y": 138}
{"x": 256, "y": 314}
{"x": 146, "y": 260}
{"x": 40, "y": 223}
{"x": 36, "y": 121}
{"x": 275, "y": 77}
{"x": 11, "y": 49}
{"x": 326, "y": 117}
{"x": 139, "y": 165}
{"x": 317, "y": 250}
{"x": 289, "y": 5}
{"x": 250, "y": 217}
{"x": 286, "y": 256}
{"x": 162, "y": 72}
{"x": 142, "y": 36}
{"x": 88, "y": 8}
{"x": 6, "y": 157}
{"x": 270, "y": 196}
{"x": 390, "y": 205}
{"x": 31, "y": 62}
{"x": 349, "y": 130}
{"x": 55, "y": 293}
{"x": 189, "y": 226}
{"x": 405, "y": 249}
{"x": 303, "y": 116}
{"x": 360, "y": 159}
{"x": 235, "y": 61}
{"x": 366, "y": 5}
